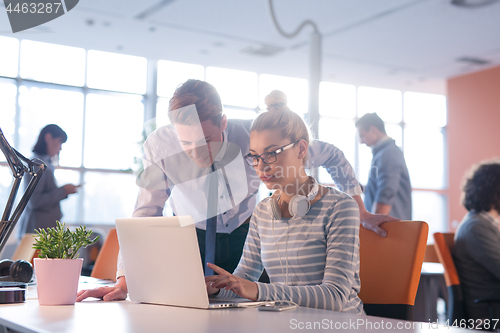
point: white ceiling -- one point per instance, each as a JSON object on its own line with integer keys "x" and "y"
{"x": 402, "y": 44}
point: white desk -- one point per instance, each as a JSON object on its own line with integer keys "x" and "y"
{"x": 125, "y": 316}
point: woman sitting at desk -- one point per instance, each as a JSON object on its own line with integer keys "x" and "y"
{"x": 476, "y": 252}
{"x": 311, "y": 254}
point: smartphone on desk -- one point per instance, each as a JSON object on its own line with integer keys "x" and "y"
{"x": 278, "y": 306}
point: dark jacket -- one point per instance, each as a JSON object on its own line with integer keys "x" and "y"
{"x": 43, "y": 208}
{"x": 476, "y": 254}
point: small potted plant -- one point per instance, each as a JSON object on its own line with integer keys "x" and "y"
{"x": 58, "y": 267}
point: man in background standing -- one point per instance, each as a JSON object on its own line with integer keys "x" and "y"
{"x": 388, "y": 190}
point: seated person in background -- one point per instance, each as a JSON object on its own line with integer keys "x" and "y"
{"x": 311, "y": 255}
{"x": 477, "y": 240}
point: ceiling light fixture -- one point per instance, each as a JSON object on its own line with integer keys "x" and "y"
{"x": 474, "y": 61}
{"x": 153, "y": 9}
{"x": 262, "y": 50}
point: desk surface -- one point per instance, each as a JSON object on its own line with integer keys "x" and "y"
{"x": 97, "y": 316}
{"x": 432, "y": 268}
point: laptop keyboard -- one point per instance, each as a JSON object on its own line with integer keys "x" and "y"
{"x": 222, "y": 300}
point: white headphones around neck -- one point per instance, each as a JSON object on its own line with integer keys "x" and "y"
{"x": 298, "y": 206}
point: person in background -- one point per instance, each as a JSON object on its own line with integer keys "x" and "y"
{"x": 476, "y": 252}
{"x": 388, "y": 190}
{"x": 43, "y": 208}
{"x": 311, "y": 255}
{"x": 218, "y": 131}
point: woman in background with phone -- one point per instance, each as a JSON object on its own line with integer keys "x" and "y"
{"x": 304, "y": 235}
{"x": 44, "y": 208}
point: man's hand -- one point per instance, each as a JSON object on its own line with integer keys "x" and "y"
{"x": 112, "y": 293}
{"x": 372, "y": 222}
{"x": 228, "y": 281}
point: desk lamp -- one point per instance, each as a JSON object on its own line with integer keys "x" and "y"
{"x": 10, "y": 292}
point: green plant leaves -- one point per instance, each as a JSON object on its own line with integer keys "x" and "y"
{"x": 61, "y": 243}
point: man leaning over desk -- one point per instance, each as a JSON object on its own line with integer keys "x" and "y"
{"x": 183, "y": 140}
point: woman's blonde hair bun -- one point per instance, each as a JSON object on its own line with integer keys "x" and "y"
{"x": 275, "y": 99}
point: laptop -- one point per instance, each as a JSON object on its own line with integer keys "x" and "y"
{"x": 163, "y": 265}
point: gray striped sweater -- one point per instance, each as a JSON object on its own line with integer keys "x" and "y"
{"x": 322, "y": 250}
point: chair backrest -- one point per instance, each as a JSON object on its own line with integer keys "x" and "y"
{"x": 25, "y": 251}
{"x": 444, "y": 242}
{"x": 105, "y": 264}
{"x": 431, "y": 254}
{"x": 390, "y": 268}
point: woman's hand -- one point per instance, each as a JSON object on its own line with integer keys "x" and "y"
{"x": 228, "y": 281}
{"x": 112, "y": 293}
{"x": 211, "y": 290}
{"x": 70, "y": 188}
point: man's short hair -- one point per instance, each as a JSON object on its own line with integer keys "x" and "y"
{"x": 369, "y": 120}
{"x": 200, "y": 93}
{"x": 481, "y": 191}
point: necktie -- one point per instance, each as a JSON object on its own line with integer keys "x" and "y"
{"x": 211, "y": 229}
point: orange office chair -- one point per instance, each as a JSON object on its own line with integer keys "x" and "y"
{"x": 431, "y": 254}
{"x": 431, "y": 288}
{"x": 105, "y": 264}
{"x": 443, "y": 242}
{"x": 390, "y": 268}
{"x": 25, "y": 251}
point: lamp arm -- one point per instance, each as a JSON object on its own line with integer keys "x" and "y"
{"x": 19, "y": 165}
{"x": 15, "y": 163}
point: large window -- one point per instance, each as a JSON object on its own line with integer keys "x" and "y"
{"x": 295, "y": 89}
{"x": 415, "y": 121}
{"x": 171, "y": 74}
{"x": 117, "y": 72}
{"x": 113, "y": 126}
{"x": 102, "y": 100}
{"x": 5, "y": 184}
{"x": 8, "y": 91}
{"x": 237, "y": 88}
{"x": 52, "y": 63}
{"x": 40, "y": 105}
{"x": 98, "y": 99}
{"x": 9, "y": 56}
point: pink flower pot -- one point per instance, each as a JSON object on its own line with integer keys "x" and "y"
{"x": 57, "y": 280}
